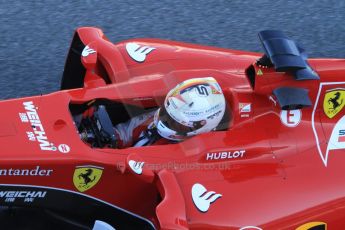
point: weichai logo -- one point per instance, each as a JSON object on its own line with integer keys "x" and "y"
{"x": 38, "y": 133}
{"x": 23, "y": 196}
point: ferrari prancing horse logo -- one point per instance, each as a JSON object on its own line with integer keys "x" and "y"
{"x": 86, "y": 177}
{"x": 334, "y": 102}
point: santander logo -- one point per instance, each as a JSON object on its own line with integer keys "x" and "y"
{"x": 203, "y": 198}
{"x": 137, "y": 52}
{"x": 137, "y": 167}
{"x": 86, "y": 51}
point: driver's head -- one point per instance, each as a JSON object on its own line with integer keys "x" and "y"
{"x": 194, "y": 106}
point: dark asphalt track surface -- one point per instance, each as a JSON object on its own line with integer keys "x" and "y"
{"x": 35, "y": 35}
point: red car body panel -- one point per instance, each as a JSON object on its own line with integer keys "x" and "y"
{"x": 269, "y": 175}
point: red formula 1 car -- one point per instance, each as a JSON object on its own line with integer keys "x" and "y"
{"x": 276, "y": 161}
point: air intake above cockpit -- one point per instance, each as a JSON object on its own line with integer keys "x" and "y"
{"x": 285, "y": 55}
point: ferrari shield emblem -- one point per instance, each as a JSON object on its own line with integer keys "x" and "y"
{"x": 86, "y": 177}
{"x": 330, "y": 138}
{"x": 333, "y": 102}
{"x": 313, "y": 225}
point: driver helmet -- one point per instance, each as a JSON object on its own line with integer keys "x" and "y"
{"x": 194, "y": 106}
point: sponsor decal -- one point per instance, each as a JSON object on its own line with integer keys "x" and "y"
{"x": 201, "y": 90}
{"x": 337, "y": 139}
{"x": 25, "y": 196}
{"x": 200, "y": 85}
{"x": 333, "y": 102}
{"x": 137, "y": 167}
{"x": 203, "y": 198}
{"x": 86, "y": 177}
{"x": 259, "y": 73}
{"x": 313, "y": 226}
{"x": 23, "y": 117}
{"x": 214, "y": 115}
{"x": 63, "y": 148}
{"x": 137, "y": 52}
{"x": 250, "y": 228}
{"x": 291, "y": 118}
{"x": 216, "y": 91}
{"x": 217, "y": 106}
{"x": 225, "y": 155}
{"x": 53, "y": 194}
{"x": 142, "y": 99}
{"x": 341, "y": 136}
{"x": 31, "y": 136}
{"x": 329, "y": 139}
{"x": 26, "y": 172}
{"x": 38, "y": 133}
{"x": 245, "y": 109}
{"x": 192, "y": 113}
{"x": 87, "y": 51}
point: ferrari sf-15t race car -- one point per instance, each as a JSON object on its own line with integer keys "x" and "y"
{"x": 276, "y": 161}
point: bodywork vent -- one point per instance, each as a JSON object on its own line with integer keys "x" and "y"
{"x": 285, "y": 55}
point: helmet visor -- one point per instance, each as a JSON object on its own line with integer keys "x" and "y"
{"x": 170, "y": 123}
